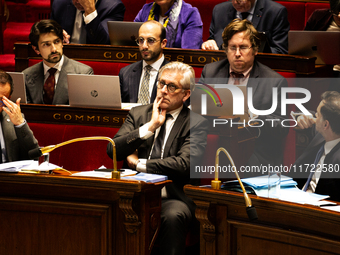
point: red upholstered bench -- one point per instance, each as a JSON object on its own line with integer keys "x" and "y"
{"x": 80, "y": 156}
{"x": 311, "y": 7}
{"x": 295, "y": 11}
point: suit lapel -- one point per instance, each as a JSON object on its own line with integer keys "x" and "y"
{"x": 175, "y": 130}
{"x": 257, "y": 13}
{"x": 253, "y": 81}
{"x": 7, "y": 128}
{"x": 62, "y": 85}
{"x": 149, "y": 141}
{"x": 134, "y": 81}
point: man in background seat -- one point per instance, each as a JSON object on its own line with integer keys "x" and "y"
{"x": 46, "y": 82}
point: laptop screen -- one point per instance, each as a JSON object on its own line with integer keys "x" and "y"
{"x": 19, "y": 90}
{"x": 123, "y": 33}
{"x": 101, "y": 91}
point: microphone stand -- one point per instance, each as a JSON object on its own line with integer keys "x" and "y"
{"x": 216, "y": 183}
{"x": 115, "y": 173}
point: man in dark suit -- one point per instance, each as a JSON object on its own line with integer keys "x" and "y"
{"x": 266, "y": 15}
{"x": 325, "y": 130}
{"x": 16, "y": 138}
{"x": 85, "y": 21}
{"x": 46, "y": 37}
{"x": 152, "y": 40}
{"x": 241, "y": 43}
{"x": 184, "y": 140}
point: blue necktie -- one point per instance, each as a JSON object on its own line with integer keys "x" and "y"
{"x": 312, "y": 171}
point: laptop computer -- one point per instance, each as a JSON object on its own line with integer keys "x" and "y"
{"x": 19, "y": 87}
{"x": 217, "y": 100}
{"x": 123, "y": 33}
{"x": 100, "y": 91}
{"x": 322, "y": 44}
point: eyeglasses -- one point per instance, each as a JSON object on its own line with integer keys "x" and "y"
{"x": 149, "y": 41}
{"x": 170, "y": 87}
{"x": 242, "y": 49}
{"x": 1, "y": 103}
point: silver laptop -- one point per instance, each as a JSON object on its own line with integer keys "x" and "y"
{"x": 123, "y": 33}
{"x": 217, "y": 100}
{"x": 322, "y": 44}
{"x": 19, "y": 86}
{"x": 101, "y": 91}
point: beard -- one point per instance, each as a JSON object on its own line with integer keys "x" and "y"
{"x": 53, "y": 59}
{"x": 152, "y": 56}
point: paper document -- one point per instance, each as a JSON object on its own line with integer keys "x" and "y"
{"x": 104, "y": 174}
{"x": 15, "y": 166}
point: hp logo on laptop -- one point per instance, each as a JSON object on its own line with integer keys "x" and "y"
{"x": 94, "y": 93}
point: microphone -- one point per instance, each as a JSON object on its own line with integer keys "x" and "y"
{"x": 216, "y": 184}
{"x": 35, "y": 153}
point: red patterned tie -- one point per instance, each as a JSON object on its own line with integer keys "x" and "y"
{"x": 49, "y": 87}
{"x": 237, "y": 77}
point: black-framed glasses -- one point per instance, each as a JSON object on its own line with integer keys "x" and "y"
{"x": 170, "y": 87}
{"x": 242, "y": 49}
{"x": 149, "y": 41}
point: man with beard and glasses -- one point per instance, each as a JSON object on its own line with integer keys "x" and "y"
{"x": 46, "y": 82}
{"x": 138, "y": 81}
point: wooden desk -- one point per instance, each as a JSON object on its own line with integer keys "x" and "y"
{"x": 282, "y": 227}
{"x": 64, "y": 114}
{"x": 53, "y": 214}
{"x": 302, "y": 66}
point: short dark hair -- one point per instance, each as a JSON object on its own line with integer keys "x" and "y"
{"x": 335, "y": 6}
{"x": 163, "y": 31}
{"x": 331, "y": 109}
{"x": 237, "y": 26}
{"x": 42, "y": 27}
{"x": 6, "y": 78}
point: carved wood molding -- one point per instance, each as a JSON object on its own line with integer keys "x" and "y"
{"x": 204, "y": 212}
{"x": 132, "y": 222}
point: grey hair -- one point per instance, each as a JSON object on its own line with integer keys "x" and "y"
{"x": 188, "y": 73}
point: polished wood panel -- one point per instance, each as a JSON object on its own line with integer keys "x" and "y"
{"x": 304, "y": 66}
{"x": 53, "y": 214}
{"x": 64, "y": 114}
{"x": 281, "y": 228}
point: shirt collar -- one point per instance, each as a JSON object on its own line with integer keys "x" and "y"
{"x": 245, "y": 73}
{"x": 56, "y": 66}
{"x": 155, "y": 65}
{"x": 251, "y": 11}
{"x": 175, "y": 113}
{"x": 330, "y": 145}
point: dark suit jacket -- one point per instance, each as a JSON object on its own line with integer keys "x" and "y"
{"x": 18, "y": 141}
{"x": 329, "y": 183}
{"x": 320, "y": 20}
{"x": 129, "y": 78}
{"x": 185, "y": 146}
{"x": 34, "y": 81}
{"x": 64, "y": 12}
{"x": 269, "y": 17}
{"x": 269, "y": 146}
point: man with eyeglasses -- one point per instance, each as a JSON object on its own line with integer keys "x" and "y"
{"x": 167, "y": 138}
{"x": 16, "y": 138}
{"x": 138, "y": 80}
{"x": 267, "y": 16}
{"x": 241, "y": 43}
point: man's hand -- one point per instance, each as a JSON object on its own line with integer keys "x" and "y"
{"x": 13, "y": 110}
{"x": 132, "y": 160}
{"x": 66, "y": 37}
{"x": 158, "y": 115}
{"x": 210, "y": 45}
{"x": 88, "y": 5}
{"x": 305, "y": 121}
